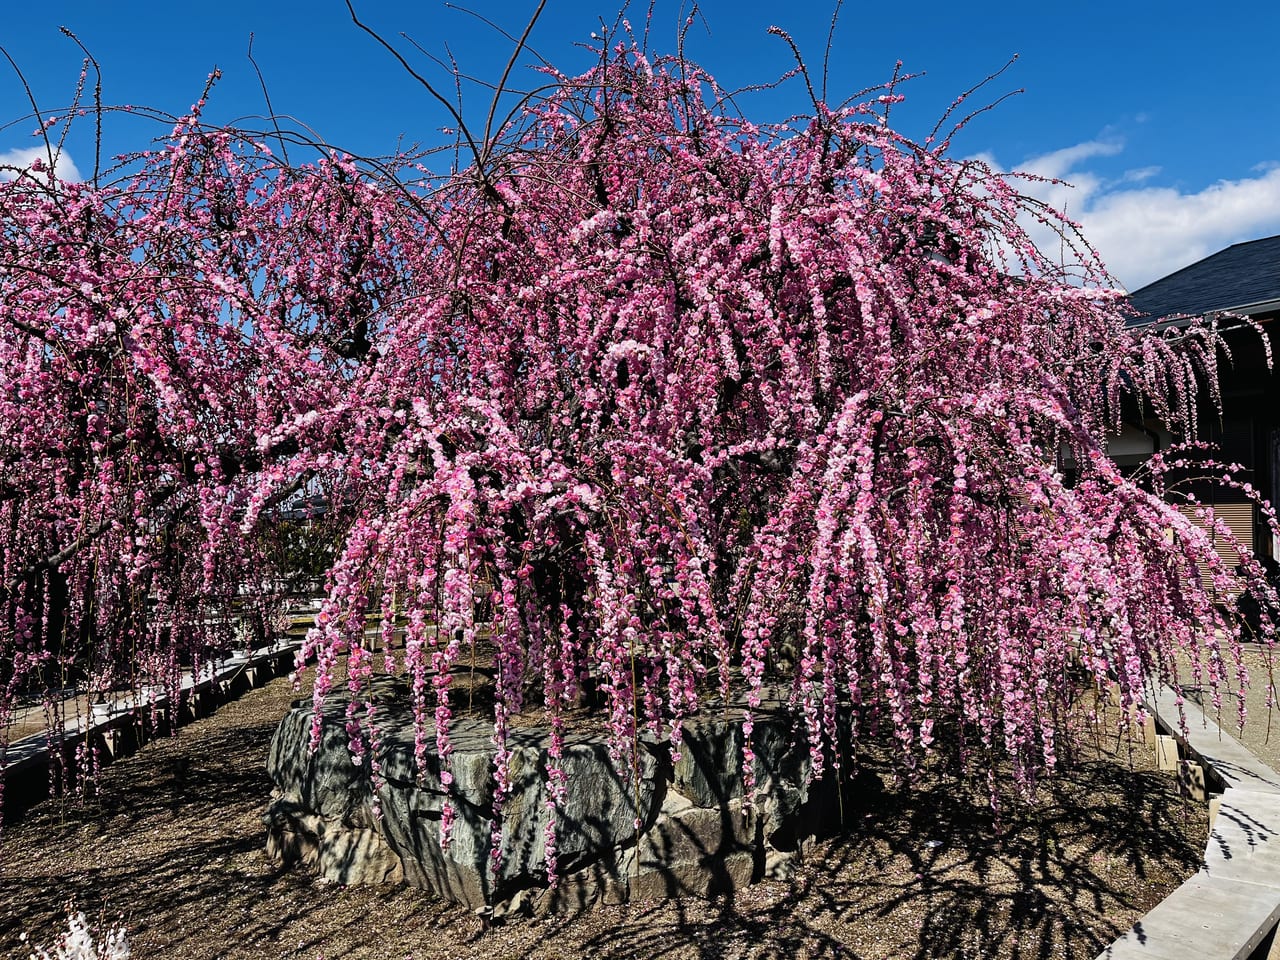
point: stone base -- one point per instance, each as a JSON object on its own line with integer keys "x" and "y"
{"x": 339, "y": 853}
{"x": 694, "y": 837}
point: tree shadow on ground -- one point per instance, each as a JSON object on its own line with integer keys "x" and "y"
{"x": 925, "y": 872}
{"x": 174, "y": 841}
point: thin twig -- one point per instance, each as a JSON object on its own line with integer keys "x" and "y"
{"x": 965, "y": 96}
{"x": 266, "y": 95}
{"x": 804, "y": 71}
{"x": 35, "y": 108}
{"x": 826, "y": 57}
{"x": 426, "y": 85}
{"x": 497, "y": 28}
{"x": 502, "y": 84}
{"x": 97, "y": 103}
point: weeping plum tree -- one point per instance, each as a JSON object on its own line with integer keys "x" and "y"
{"x": 177, "y": 351}
{"x": 706, "y": 403}
{"x": 705, "y": 400}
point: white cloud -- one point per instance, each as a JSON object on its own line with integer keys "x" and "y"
{"x": 64, "y": 168}
{"x": 1059, "y": 163}
{"x": 1140, "y": 174}
{"x": 1144, "y": 231}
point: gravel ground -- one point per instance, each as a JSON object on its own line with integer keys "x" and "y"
{"x": 172, "y": 848}
{"x": 1261, "y": 732}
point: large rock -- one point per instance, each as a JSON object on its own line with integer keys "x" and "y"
{"x": 694, "y": 836}
{"x": 709, "y": 771}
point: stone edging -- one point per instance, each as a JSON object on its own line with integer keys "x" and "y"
{"x": 1229, "y": 909}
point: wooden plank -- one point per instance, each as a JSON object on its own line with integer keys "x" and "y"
{"x": 1192, "y": 778}
{"x": 1205, "y": 917}
{"x": 1233, "y": 903}
{"x": 1244, "y": 842}
{"x": 1231, "y": 760}
{"x": 123, "y": 709}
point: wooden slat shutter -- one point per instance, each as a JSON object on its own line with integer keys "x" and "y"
{"x": 1239, "y": 520}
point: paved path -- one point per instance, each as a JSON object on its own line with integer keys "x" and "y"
{"x": 1232, "y": 904}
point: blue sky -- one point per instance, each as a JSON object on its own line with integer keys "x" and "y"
{"x": 1163, "y": 115}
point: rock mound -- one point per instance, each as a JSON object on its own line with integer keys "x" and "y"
{"x": 694, "y": 837}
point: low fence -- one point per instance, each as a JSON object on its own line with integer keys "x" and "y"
{"x": 119, "y": 726}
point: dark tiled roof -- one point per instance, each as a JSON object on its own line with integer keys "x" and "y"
{"x": 1241, "y": 275}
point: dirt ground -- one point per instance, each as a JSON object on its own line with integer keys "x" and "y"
{"x": 173, "y": 848}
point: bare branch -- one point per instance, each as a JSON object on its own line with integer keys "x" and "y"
{"x": 271, "y": 111}
{"x": 426, "y": 85}
{"x": 804, "y": 71}
{"x": 35, "y": 108}
{"x": 97, "y": 103}
{"x": 507, "y": 35}
{"x": 965, "y": 96}
{"x": 502, "y": 84}
{"x": 826, "y": 57}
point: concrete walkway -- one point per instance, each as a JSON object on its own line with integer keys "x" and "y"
{"x": 1231, "y": 907}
